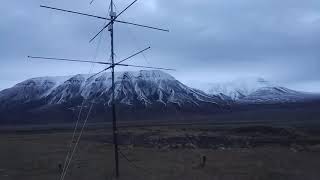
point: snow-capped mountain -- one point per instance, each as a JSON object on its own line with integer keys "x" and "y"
{"x": 235, "y": 89}
{"x": 277, "y": 94}
{"x": 144, "y": 88}
{"x": 256, "y": 91}
{"x": 29, "y": 90}
{"x": 140, "y": 95}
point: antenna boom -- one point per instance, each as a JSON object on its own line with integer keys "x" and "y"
{"x": 98, "y": 62}
{"x": 74, "y": 12}
{"x": 100, "y": 17}
{"x": 113, "y": 19}
{"x": 147, "y": 67}
{"x": 64, "y": 59}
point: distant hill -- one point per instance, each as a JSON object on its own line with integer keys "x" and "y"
{"x": 258, "y": 91}
{"x": 140, "y": 95}
{"x": 145, "y": 94}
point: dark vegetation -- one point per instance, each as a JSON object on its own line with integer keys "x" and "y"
{"x": 257, "y": 152}
{"x": 67, "y": 113}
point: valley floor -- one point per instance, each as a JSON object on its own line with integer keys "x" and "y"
{"x": 246, "y": 153}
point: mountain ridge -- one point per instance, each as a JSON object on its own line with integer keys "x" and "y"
{"x": 141, "y": 92}
{"x": 256, "y": 90}
{"x": 138, "y": 94}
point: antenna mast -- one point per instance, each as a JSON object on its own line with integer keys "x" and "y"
{"x": 114, "y": 117}
{"x": 113, "y": 18}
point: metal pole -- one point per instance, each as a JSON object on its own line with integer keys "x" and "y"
{"x": 114, "y": 118}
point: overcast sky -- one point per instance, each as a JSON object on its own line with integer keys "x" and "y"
{"x": 209, "y": 40}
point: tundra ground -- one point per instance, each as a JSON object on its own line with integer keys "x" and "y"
{"x": 243, "y": 153}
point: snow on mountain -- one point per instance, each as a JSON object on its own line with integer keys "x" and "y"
{"x": 235, "y": 89}
{"x": 256, "y": 91}
{"x": 131, "y": 88}
{"x": 145, "y": 88}
{"x": 270, "y": 95}
{"x": 31, "y": 89}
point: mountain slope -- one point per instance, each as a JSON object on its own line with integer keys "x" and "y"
{"x": 258, "y": 91}
{"x": 131, "y": 88}
{"x": 141, "y": 92}
{"x": 236, "y": 89}
{"x": 30, "y": 90}
{"x": 142, "y": 95}
{"x": 272, "y": 95}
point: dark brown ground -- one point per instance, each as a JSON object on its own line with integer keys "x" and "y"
{"x": 255, "y": 153}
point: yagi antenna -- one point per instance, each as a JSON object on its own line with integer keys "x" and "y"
{"x": 100, "y": 17}
{"x": 104, "y": 63}
{"x": 113, "y": 18}
{"x": 85, "y": 61}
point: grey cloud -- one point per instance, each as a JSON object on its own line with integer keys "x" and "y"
{"x": 208, "y": 39}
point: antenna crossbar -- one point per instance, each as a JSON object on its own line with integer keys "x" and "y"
{"x": 147, "y": 67}
{"x": 140, "y": 25}
{"x": 74, "y": 12}
{"x": 99, "y": 72}
{"x": 100, "y": 17}
{"x": 113, "y": 19}
{"x": 64, "y": 59}
{"x": 133, "y": 55}
{"x": 99, "y": 62}
{"x": 86, "y": 61}
{"x": 105, "y": 63}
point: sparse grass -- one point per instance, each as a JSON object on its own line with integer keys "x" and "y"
{"x": 32, "y": 156}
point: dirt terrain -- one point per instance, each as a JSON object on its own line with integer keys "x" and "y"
{"x": 233, "y": 153}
